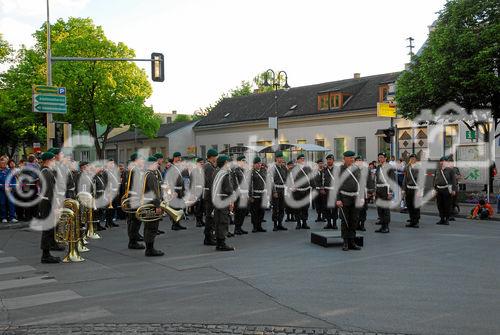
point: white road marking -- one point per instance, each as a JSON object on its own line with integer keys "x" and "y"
{"x": 16, "y": 269}
{"x": 67, "y": 317}
{"x": 15, "y": 283}
{"x": 40, "y": 299}
{"x": 7, "y": 259}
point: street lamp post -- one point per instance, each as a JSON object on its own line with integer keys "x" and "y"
{"x": 276, "y": 82}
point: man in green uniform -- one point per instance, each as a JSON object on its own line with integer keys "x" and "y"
{"x": 256, "y": 193}
{"x": 152, "y": 195}
{"x": 410, "y": 191}
{"x": 196, "y": 179}
{"x": 302, "y": 185}
{"x": 47, "y": 186}
{"x": 133, "y": 187}
{"x": 241, "y": 187}
{"x": 330, "y": 211}
{"x": 349, "y": 190}
{"x": 222, "y": 190}
{"x": 209, "y": 172}
{"x": 280, "y": 174}
{"x": 445, "y": 186}
{"x": 383, "y": 174}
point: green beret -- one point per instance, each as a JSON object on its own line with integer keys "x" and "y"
{"x": 382, "y": 154}
{"x": 359, "y": 158}
{"x": 177, "y": 154}
{"x": 449, "y": 158}
{"x": 199, "y": 159}
{"x": 443, "y": 159}
{"x": 83, "y": 163}
{"x": 301, "y": 156}
{"x": 241, "y": 158}
{"x": 152, "y": 159}
{"x": 212, "y": 153}
{"x": 349, "y": 153}
{"x": 222, "y": 159}
{"x": 256, "y": 160}
{"x": 289, "y": 163}
{"x": 158, "y": 155}
{"x": 55, "y": 151}
{"x": 319, "y": 161}
{"x": 278, "y": 153}
{"x": 134, "y": 156}
{"x": 329, "y": 156}
{"x": 47, "y": 155}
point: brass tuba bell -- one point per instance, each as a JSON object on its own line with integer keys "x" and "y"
{"x": 67, "y": 230}
{"x": 147, "y": 213}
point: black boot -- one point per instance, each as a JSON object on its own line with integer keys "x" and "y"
{"x": 177, "y": 226}
{"x": 441, "y": 221}
{"x": 47, "y": 258}
{"x": 222, "y": 246}
{"x": 328, "y": 225}
{"x": 345, "y": 245}
{"x": 260, "y": 229}
{"x": 275, "y": 226}
{"x": 384, "y": 229}
{"x": 446, "y": 222}
{"x": 353, "y": 245}
{"x": 361, "y": 226}
{"x": 209, "y": 241}
{"x": 304, "y": 225}
{"x": 151, "y": 251}
{"x": 281, "y": 227}
{"x": 298, "y": 225}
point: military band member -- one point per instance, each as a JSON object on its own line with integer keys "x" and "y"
{"x": 410, "y": 191}
{"x": 256, "y": 192}
{"x": 47, "y": 186}
{"x": 241, "y": 187}
{"x": 445, "y": 186}
{"x": 289, "y": 211}
{"x": 112, "y": 181}
{"x": 152, "y": 195}
{"x": 364, "y": 209}
{"x": 320, "y": 200}
{"x": 99, "y": 187}
{"x": 280, "y": 174}
{"x": 301, "y": 191}
{"x": 348, "y": 191}
{"x": 175, "y": 182}
{"x": 330, "y": 211}
{"x": 133, "y": 187}
{"x": 209, "y": 173}
{"x": 65, "y": 187}
{"x": 159, "y": 175}
{"x": 383, "y": 191}
{"x": 196, "y": 178}
{"x": 222, "y": 189}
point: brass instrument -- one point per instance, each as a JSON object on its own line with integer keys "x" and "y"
{"x": 87, "y": 200}
{"x": 147, "y": 213}
{"x": 125, "y": 201}
{"x": 67, "y": 230}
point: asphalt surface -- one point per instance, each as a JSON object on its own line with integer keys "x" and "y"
{"x": 432, "y": 280}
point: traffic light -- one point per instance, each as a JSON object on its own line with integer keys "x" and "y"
{"x": 388, "y": 134}
{"x": 157, "y": 67}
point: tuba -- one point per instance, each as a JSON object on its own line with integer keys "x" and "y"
{"x": 147, "y": 213}
{"x": 67, "y": 230}
{"x": 87, "y": 201}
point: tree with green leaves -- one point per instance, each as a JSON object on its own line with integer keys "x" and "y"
{"x": 459, "y": 62}
{"x": 5, "y": 49}
{"x": 183, "y": 118}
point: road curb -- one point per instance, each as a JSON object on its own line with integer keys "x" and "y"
{"x": 19, "y": 225}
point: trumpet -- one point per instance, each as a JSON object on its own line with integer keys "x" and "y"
{"x": 147, "y": 213}
{"x": 67, "y": 230}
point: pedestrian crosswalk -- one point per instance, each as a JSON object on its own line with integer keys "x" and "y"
{"x": 33, "y": 290}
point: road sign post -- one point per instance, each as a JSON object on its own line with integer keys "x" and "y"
{"x": 49, "y": 99}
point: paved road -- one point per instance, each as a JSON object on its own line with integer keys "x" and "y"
{"x": 432, "y": 280}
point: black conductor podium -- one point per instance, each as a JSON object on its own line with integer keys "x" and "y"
{"x": 330, "y": 238}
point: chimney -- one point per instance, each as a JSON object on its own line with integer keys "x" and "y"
{"x": 357, "y": 75}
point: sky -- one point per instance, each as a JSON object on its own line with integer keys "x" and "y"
{"x": 210, "y": 46}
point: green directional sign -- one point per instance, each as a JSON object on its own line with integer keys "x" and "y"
{"x": 470, "y": 135}
{"x": 49, "y": 99}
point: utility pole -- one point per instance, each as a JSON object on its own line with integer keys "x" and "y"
{"x": 49, "y": 77}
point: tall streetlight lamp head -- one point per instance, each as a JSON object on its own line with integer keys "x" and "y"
{"x": 286, "y": 86}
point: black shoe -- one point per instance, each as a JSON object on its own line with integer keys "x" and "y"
{"x": 378, "y": 223}
{"x": 224, "y": 247}
{"x": 451, "y": 219}
{"x": 229, "y": 234}
{"x": 297, "y": 226}
{"x": 136, "y": 246}
{"x": 345, "y": 246}
{"x": 209, "y": 242}
{"x": 238, "y": 232}
{"x": 181, "y": 227}
{"x": 100, "y": 228}
{"x": 176, "y": 227}
{"x": 354, "y": 246}
{"x": 200, "y": 224}
{"x": 441, "y": 222}
{"x": 446, "y": 223}
{"x": 408, "y": 220}
{"x": 160, "y": 232}
{"x": 261, "y": 230}
{"x": 115, "y": 225}
{"x": 242, "y": 231}
{"x": 361, "y": 227}
{"x": 415, "y": 225}
{"x": 50, "y": 260}
{"x": 305, "y": 226}
{"x": 153, "y": 253}
{"x": 383, "y": 230}
{"x": 140, "y": 238}
{"x": 264, "y": 220}
{"x": 281, "y": 227}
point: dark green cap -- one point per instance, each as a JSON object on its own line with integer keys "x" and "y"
{"x": 349, "y": 153}
{"x": 443, "y": 159}
{"x": 152, "y": 159}
{"x": 319, "y": 161}
{"x": 134, "y": 156}
{"x": 256, "y": 160}
{"x": 55, "y": 150}
{"x": 222, "y": 159}
{"x": 47, "y": 155}
{"x": 382, "y": 154}
{"x": 289, "y": 163}
{"x": 241, "y": 158}
{"x": 177, "y": 154}
{"x": 158, "y": 155}
{"x": 359, "y": 158}
{"x": 301, "y": 156}
{"x": 278, "y": 153}
{"x": 329, "y": 156}
{"x": 199, "y": 159}
{"x": 212, "y": 153}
